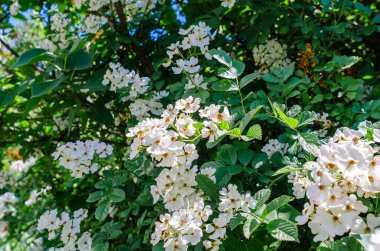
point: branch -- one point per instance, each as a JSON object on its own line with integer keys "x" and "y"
{"x": 4, "y": 17}
{"x": 124, "y": 30}
{"x": 120, "y": 13}
{"x": 9, "y": 48}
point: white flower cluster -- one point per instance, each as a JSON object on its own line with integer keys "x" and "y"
{"x": 80, "y": 157}
{"x": 70, "y": 229}
{"x": 273, "y": 146}
{"x": 7, "y": 203}
{"x": 347, "y": 167}
{"x": 93, "y": 23}
{"x": 270, "y": 54}
{"x": 59, "y": 25}
{"x": 164, "y": 144}
{"x": 196, "y": 36}
{"x": 14, "y": 8}
{"x": 231, "y": 202}
{"x": 228, "y": 3}
{"x": 181, "y": 228}
{"x": 95, "y": 5}
{"x": 188, "y": 225}
{"x": 125, "y": 81}
{"x": 19, "y": 166}
{"x": 46, "y": 44}
{"x": 163, "y": 139}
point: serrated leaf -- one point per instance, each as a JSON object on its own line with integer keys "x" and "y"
{"x": 245, "y": 156}
{"x": 250, "y": 225}
{"x": 238, "y": 67}
{"x": 236, "y": 221}
{"x": 276, "y": 203}
{"x": 119, "y": 180}
{"x": 248, "y": 79}
{"x": 271, "y": 78}
{"x": 95, "y": 196}
{"x": 234, "y": 132}
{"x": 261, "y": 197}
{"x": 291, "y": 122}
{"x": 224, "y": 125}
{"x": 228, "y": 154}
{"x": 283, "y": 230}
{"x": 248, "y": 117}
{"x": 287, "y": 169}
{"x": 117, "y": 195}
{"x": 210, "y": 145}
{"x": 221, "y": 56}
{"x": 309, "y": 142}
{"x": 101, "y": 211}
{"x": 207, "y": 186}
{"x": 104, "y": 184}
{"x": 255, "y": 132}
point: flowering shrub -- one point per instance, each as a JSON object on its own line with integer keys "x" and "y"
{"x": 189, "y": 125}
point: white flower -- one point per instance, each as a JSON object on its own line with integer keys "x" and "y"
{"x": 14, "y": 8}
{"x": 228, "y": 3}
{"x": 85, "y": 242}
{"x": 361, "y": 227}
{"x": 50, "y": 222}
{"x": 191, "y": 66}
{"x": 188, "y": 105}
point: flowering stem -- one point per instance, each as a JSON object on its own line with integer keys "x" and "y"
{"x": 241, "y": 97}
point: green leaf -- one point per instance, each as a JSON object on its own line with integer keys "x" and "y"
{"x": 7, "y": 96}
{"x": 117, "y": 195}
{"x": 309, "y": 142}
{"x": 224, "y": 125}
{"x": 79, "y": 60}
{"x": 287, "y": 72}
{"x": 248, "y": 117}
{"x": 210, "y": 145}
{"x": 318, "y": 98}
{"x": 283, "y": 230}
{"x": 100, "y": 243}
{"x": 234, "y": 132}
{"x": 245, "y": 156}
{"x": 95, "y": 196}
{"x": 221, "y": 56}
{"x": 287, "y": 169}
{"x": 236, "y": 221}
{"x": 238, "y": 67}
{"x": 250, "y": 226}
{"x": 248, "y": 79}
{"x": 255, "y": 132}
{"x": 229, "y": 73}
{"x": 228, "y": 154}
{"x": 261, "y": 196}
{"x": 28, "y": 56}
{"x": 270, "y": 78}
{"x": 276, "y": 203}
{"x": 101, "y": 211}
{"x": 118, "y": 180}
{"x": 207, "y": 186}
{"x": 104, "y": 184}
{"x": 291, "y": 122}
{"x": 39, "y": 89}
